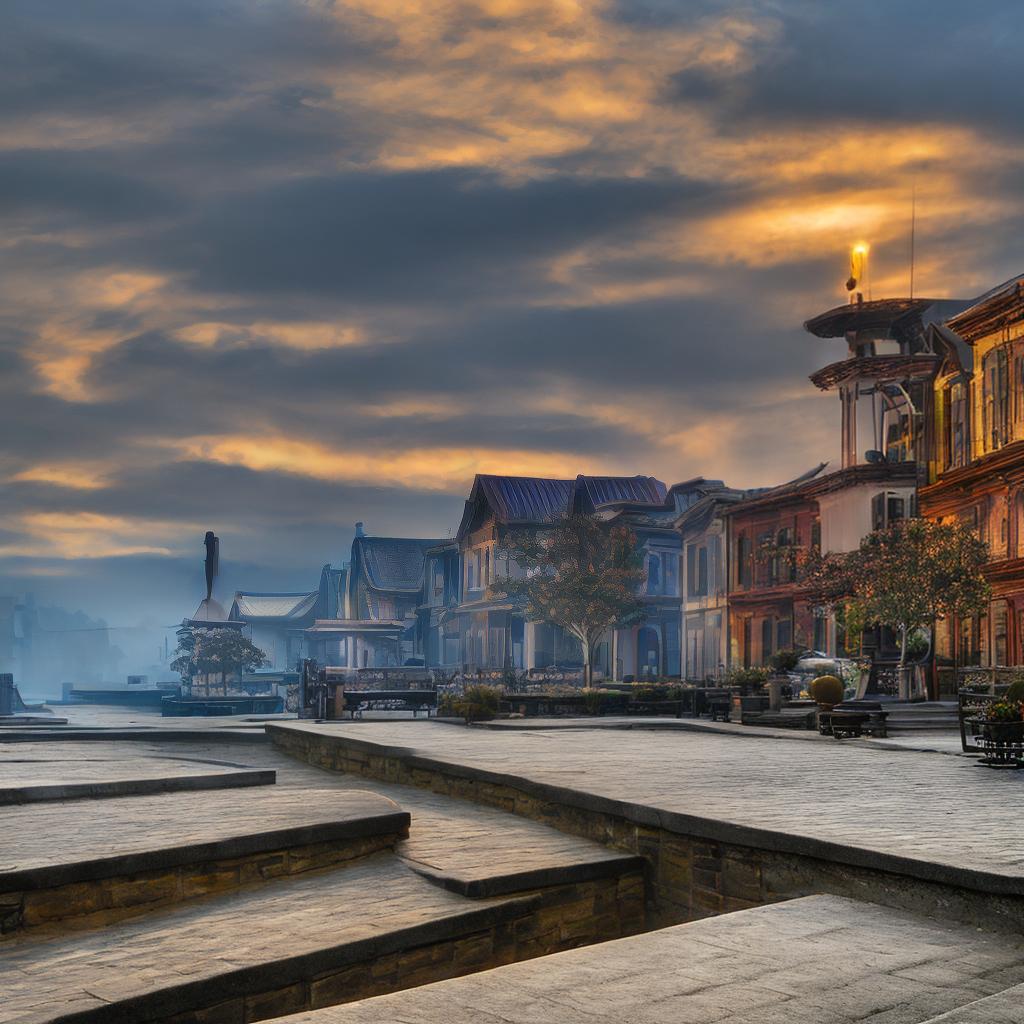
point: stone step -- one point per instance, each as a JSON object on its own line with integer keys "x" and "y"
{"x": 808, "y": 961}
{"x": 58, "y": 863}
{"x": 34, "y": 779}
{"x": 1006, "y": 1007}
{"x": 368, "y": 928}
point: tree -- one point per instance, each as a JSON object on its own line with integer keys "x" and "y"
{"x": 906, "y": 577}
{"x": 581, "y": 575}
{"x": 216, "y": 651}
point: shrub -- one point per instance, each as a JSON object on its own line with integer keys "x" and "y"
{"x": 479, "y": 703}
{"x": 784, "y": 661}
{"x": 827, "y": 690}
{"x": 747, "y": 676}
{"x": 448, "y": 705}
{"x": 1015, "y": 691}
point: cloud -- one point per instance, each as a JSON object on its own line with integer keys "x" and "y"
{"x": 274, "y": 268}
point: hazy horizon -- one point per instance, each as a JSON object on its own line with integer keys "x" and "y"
{"x": 271, "y": 269}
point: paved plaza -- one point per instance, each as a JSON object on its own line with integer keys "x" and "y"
{"x": 836, "y": 798}
{"x": 818, "y": 960}
{"x": 458, "y": 894}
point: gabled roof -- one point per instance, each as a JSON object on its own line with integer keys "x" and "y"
{"x": 790, "y": 489}
{"x": 252, "y": 606}
{"x": 392, "y": 564}
{"x": 990, "y": 311}
{"x": 601, "y": 491}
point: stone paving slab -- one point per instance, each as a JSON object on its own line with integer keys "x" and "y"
{"x": 817, "y": 960}
{"x": 470, "y": 849}
{"x": 943, "y": 741}
{"x": 40, "y": 773}
{"x": 1003, "y": 1008}
{"x": 246, "y": 941}
{"x": 58, "y": 843}
{"x": 938, "y": 818}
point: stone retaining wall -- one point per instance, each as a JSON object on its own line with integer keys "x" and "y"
{"x": 689, "y": 876}
{"x": 534, "y": 924}
{"x": 100, "y": 901}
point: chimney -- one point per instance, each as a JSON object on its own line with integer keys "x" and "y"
{"x": 359, "y": 530}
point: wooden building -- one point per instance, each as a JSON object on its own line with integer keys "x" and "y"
{"x": 494, "y": 633}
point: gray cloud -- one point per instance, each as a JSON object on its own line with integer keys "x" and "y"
{"x": 212, "y": 145}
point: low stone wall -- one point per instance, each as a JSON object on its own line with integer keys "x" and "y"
{"x": 100, "y": 901}
{"x": 531, "y": 925}
{"x": 696, "y": 867}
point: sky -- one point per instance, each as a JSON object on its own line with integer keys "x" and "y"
{"x": 270, "y": 267}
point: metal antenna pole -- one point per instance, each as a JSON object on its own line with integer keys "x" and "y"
{"x": 913, "y": 226}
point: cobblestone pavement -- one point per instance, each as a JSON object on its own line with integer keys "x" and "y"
{"x": 41, "y": 980}
{"x": 937, "y": 809}
{"x": 818, "y": 960}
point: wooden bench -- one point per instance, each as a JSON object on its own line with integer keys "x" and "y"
{"x": 358, "y": 701}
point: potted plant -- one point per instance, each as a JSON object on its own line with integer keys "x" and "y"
{"x": 1003, "y": 722}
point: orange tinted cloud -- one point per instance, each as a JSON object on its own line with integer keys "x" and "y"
{"x": 420, "y": 468}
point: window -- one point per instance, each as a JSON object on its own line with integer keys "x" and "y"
{"x": 995, "y": 398}
{"x": 816, "y": 535}
{"x": 696, "y": 570}
{"x": 999, "y": 633}
{"x": 820, "y": 630}
{"x": 691, "y": 570}
{"x": 766, "y": 640}
{"x": 653, "y": 574}
{"x": 744, "y": 562}
{"x": 886, "y": 509}
{"x": 956, "y": 418}
{"x": 670, "y": 573}
{"x": 487, "y": 566}
{"x": 783, "y": 635}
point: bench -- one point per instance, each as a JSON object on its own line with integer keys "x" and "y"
{"x": 798, "y": 714}
{"x": 358, "y": 701}
{"x": 854, "y": 718}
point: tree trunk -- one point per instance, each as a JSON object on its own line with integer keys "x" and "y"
{"x": 904, "y": 680}
{"x": 588, "y": 665}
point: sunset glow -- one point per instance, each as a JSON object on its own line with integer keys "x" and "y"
{"x": 257, "y": 260}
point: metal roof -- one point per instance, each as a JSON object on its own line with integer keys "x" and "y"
{"x": 393, "y": 563}
{"x": 251, "y": 606}
{"x": 618, "y": 490}
{"x": 526, "y": 499}
{"x": 882, "y": 313}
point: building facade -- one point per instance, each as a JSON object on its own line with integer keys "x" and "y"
{"x": 976, "y": 469}
{"x": 494, "y": 634}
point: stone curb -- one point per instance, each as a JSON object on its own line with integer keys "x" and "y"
{"x": 393, "y": 822}
{"x": 11, "y": 795}
{"x": 247, "y": 735}
{"x": 520, "y": 881}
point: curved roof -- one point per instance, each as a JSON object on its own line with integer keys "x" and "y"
{"x": 618, "y": 490}
{"x": 251, "y": 605}
{"x": 526, "y": 499}
{"x": 392, "y": 563}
